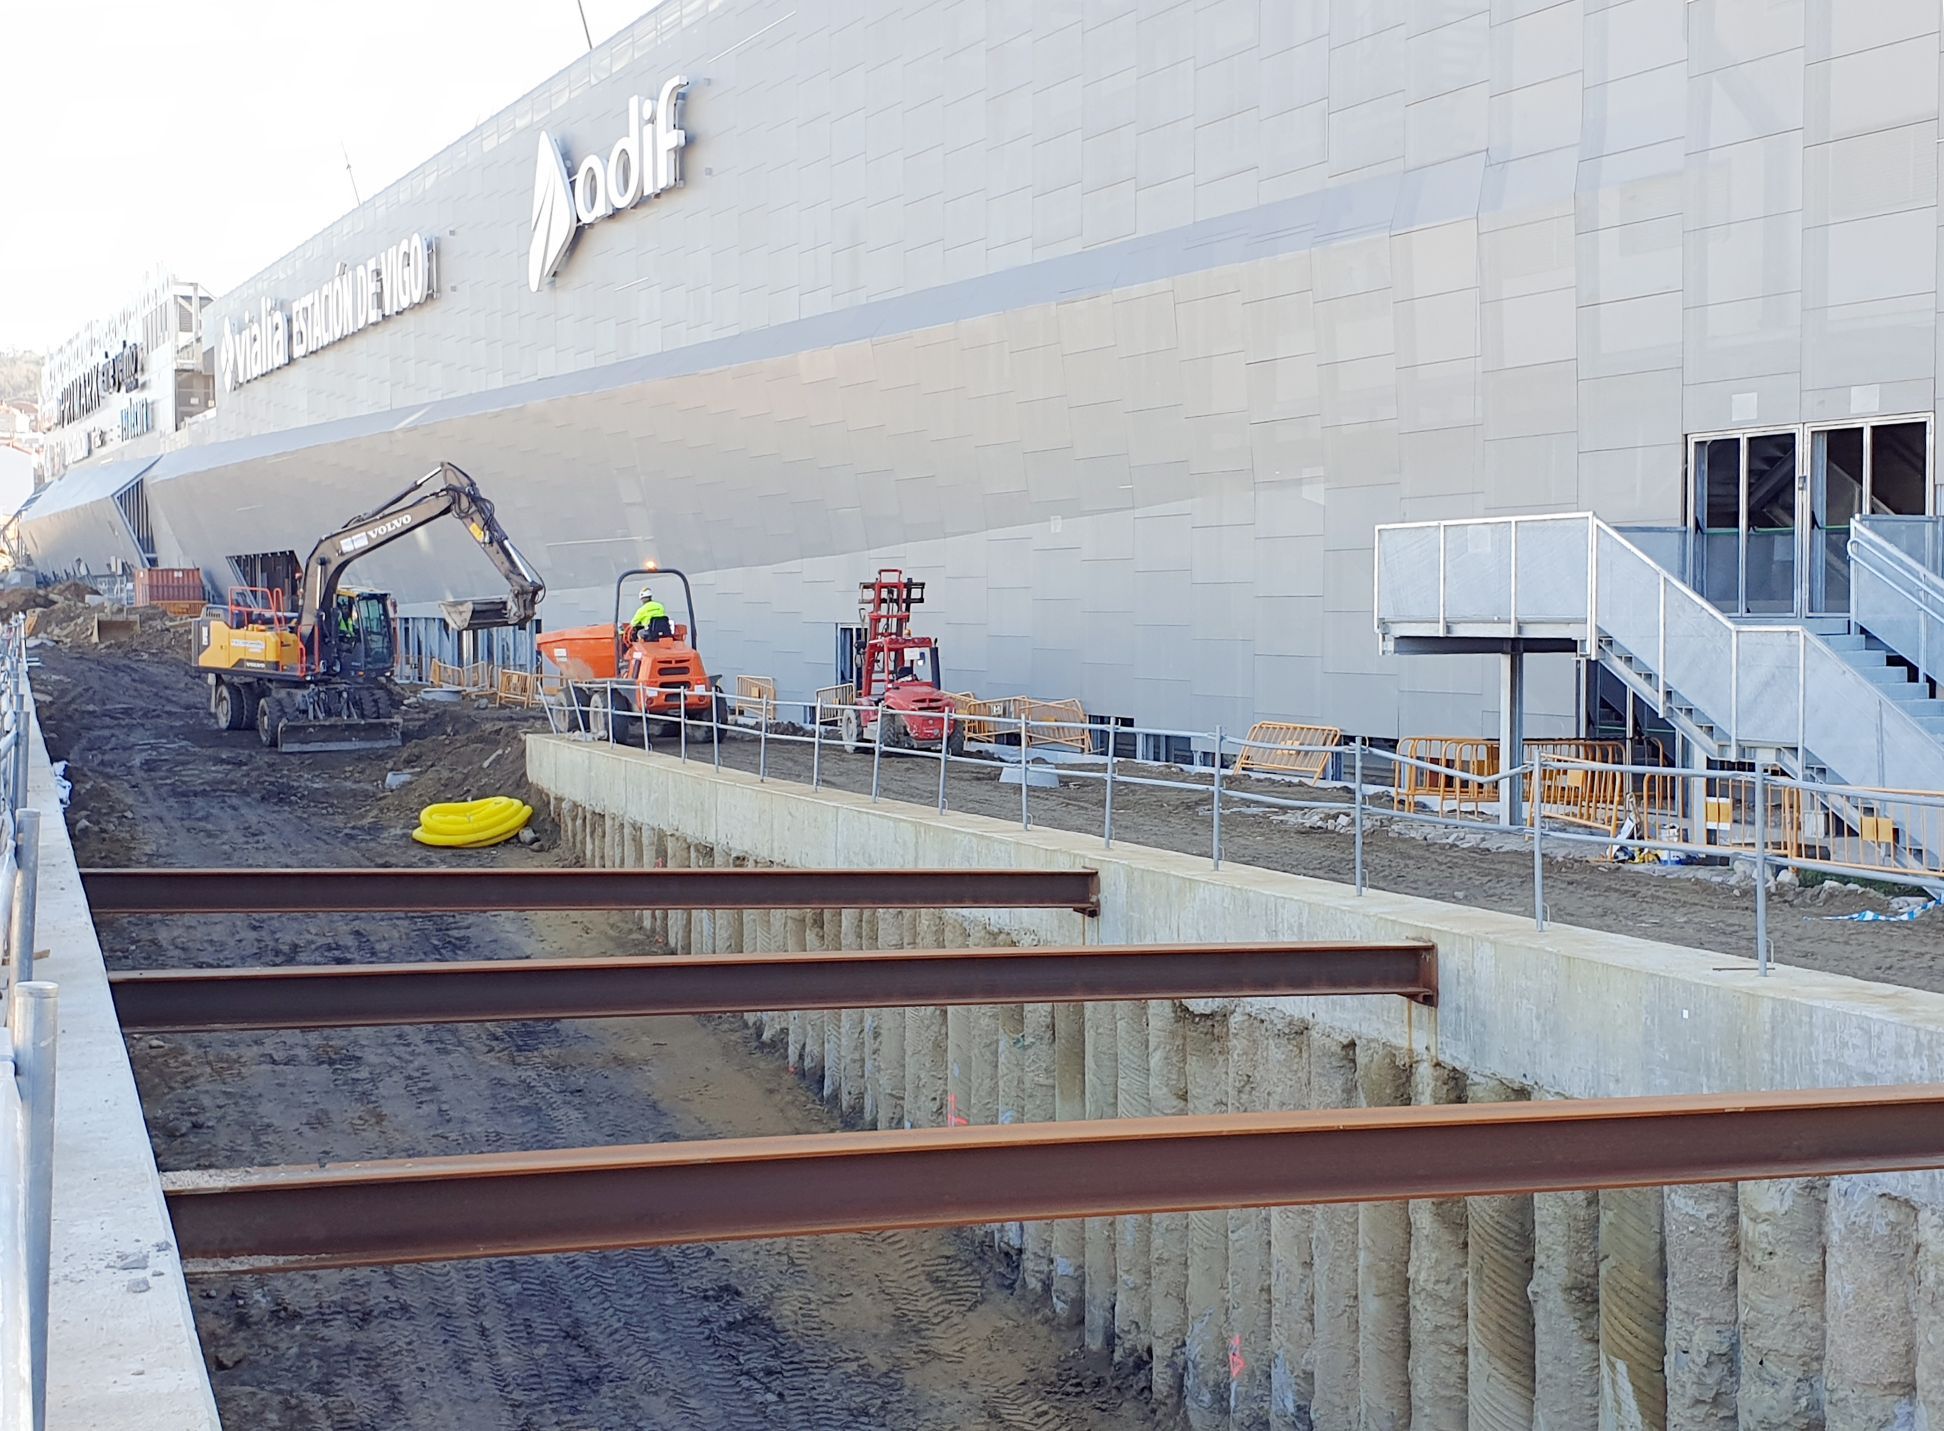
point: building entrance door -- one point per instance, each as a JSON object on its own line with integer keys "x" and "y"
{"x": 1875, "y": 469}
{"x": 1744, "y": 504}
{"x": 1770, "y": 511}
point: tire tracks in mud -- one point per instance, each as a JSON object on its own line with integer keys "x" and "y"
{"x": 896, "y": 1330}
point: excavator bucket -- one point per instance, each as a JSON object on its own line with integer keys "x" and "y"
{"x": 341, "y": 734}
{"x": 114, "y": 628}
{"x": 481, "y": 614}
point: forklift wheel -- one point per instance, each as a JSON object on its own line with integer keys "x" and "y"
{"x": 848, "y": 731}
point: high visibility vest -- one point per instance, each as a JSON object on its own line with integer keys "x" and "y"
{"x": 648, "y": 611}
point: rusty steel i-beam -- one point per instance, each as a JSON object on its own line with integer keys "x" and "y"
{"x": 336, "y": 995}
{"x": 586, "y": 1199}
{"x": 439, "y": 891}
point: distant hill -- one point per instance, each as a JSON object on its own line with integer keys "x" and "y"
{"x": 20, "y": 376}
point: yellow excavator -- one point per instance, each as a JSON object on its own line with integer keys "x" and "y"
{"x": 319, "y": 676}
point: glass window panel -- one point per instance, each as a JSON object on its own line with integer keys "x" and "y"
{"x": 1837, "y": 488}
{"x": 1717, "y": 508}
{"x": 1771, "y": 557}
{"x": 1898, "y": 475}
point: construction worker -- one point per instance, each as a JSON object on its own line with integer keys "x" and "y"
{"x": 650, "y": 621}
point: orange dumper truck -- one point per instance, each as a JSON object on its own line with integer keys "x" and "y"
{"x": 617, "y": 676}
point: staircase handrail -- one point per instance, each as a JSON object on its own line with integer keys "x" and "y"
{"x": 1914, "y": 584}
{"x": 1764, "y": 707}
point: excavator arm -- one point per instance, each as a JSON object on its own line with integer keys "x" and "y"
{"x": 446, "y": 490}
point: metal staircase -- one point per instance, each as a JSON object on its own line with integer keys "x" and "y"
{"x": 1897, "y": 593}
{"x": 1825, "y": 708}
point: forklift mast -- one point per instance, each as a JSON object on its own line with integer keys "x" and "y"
{"x": 885, "y": 643}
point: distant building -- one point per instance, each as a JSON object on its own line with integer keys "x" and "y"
{"x": 127, "y": 381}
{"x": 17, "y": 480}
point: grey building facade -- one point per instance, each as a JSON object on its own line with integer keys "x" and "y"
{"x": 1123, "y": 324}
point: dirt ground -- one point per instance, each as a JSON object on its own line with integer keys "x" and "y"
{"x": 895, "y": 1330}
{"x": 1708, "y": 909}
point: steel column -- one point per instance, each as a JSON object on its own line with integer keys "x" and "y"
{"x": 518, "y": 1204}
{"x": 369, "y": 891}
{"x": 328, "y": 996}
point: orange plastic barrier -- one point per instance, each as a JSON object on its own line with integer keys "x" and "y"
{"x": 1301, "y": 750}
{"x": 478, "y": 677}
{"x": 830, "y": 701}
{"x": 755, "y": 698}
{"x": 1574, "y": 792}
{"x": 1865, "y": 830}
{"x": 1460, "y": 786}
{"x": 983, "y": 720}
{"x": 525, "y": 688}
{"x": 1061, "y": 724}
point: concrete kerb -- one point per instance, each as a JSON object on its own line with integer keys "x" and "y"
{"x": 1575, "y": 1012}
{"x": 122, "y": 1345}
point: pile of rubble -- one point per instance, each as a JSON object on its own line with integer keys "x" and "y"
{"x": 73, "y": 613}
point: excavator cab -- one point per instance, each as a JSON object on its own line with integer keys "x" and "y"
{"x": 363, "y": 645}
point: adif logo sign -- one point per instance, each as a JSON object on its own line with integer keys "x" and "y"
{"x": 645, "y": 161}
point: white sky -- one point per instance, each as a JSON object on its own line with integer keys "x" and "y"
{"x": 205, "y": 134}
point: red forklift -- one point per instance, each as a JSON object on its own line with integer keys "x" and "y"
{"x": 900, "y": 697}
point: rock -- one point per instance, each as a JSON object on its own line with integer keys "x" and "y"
{"x": 398, "y": 779}
{"x": 138, "y": 1284}
{"x": 178, "y": 1127}
{"x": 156, "y": 1043}
{"x": 132, "y": 1262}
{"x": 526, "y": 836}
{"x": 1788, "y": 879}
{"x": 1905, "y": 903}
{"x": 227, "y": 1360}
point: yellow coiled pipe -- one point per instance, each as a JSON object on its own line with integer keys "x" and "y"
{"x": 472, "y": 824}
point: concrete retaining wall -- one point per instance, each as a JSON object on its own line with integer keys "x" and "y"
{"x": 121, "y": 1338}
{"x": 1764, "y": 1305}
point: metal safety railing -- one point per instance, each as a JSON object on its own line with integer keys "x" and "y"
{"x": 27, "y": 1055}
{"x": 1897, "y": 587}
{"x": 1739, "y": 688}
{"x": 1623, "y": 812}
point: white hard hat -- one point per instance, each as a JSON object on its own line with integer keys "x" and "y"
{"x": 646, "y": 594}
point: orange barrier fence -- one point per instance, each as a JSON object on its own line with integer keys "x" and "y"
{"x": 476, "y": 677}
{"x": 1573, "y": 792}
{"x": 831, "y": 700}
{"x": 1461, "y": 785}
{"x": 1887, "y": 830}
{"x": 755, "y": 698}
{"x": 1060, "y": 724}
{"x": 1300, "y": 750}
{"x": 982, "y": 719}
{"x": 525, "y": 688}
